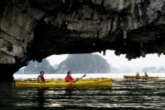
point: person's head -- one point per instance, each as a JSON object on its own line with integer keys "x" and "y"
{"x": 42, "y": 73}
{"x": 69, "y": 73}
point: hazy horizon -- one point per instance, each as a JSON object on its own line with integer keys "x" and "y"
{"x": 88, "y": 75}
{"x": 151, "y": 60}
{"x": 120, "y": 62}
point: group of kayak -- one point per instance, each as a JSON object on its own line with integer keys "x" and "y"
{"x": 70, "y": 82}
{"x": 138, "y": 76}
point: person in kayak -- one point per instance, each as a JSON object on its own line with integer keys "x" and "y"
{"x": 41, "y": 78}
{"x": 69, "y": 87}
{"x": 137, "y": 75}
{"x": 68, "y": 77}
{"x": 146, "y": 75}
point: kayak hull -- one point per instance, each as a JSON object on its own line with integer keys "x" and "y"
{"x": 59, "y": 84}
{"x": 140, "y": 77}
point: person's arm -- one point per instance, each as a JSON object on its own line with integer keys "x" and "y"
{"x": 39, "y": 79}
{"x": 44, "y": 80}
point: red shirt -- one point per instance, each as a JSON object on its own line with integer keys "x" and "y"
{"x": 68, "y": 78}
{"x": 43, "y": 79}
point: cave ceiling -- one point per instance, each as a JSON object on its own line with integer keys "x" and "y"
{"x": 36, "y": 29}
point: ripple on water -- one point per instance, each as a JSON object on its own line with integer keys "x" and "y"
{"x": 123, "y": 95}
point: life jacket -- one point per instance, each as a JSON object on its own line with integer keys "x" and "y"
{"x": 42, "y": 79}
{"x": 137, "y": 75}
{"x": 68, "y": 78}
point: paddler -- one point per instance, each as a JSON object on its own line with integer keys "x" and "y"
{"x": 137, "y": 75}
{"x": 68, "y": 77}
{"x": 146, "y": 75}
{"x": 69, "y": 87}
{"x": 41, "y": 78}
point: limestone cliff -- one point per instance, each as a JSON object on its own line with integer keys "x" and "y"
{"x": 84, "y": 63}
{"x": 35, "y": 67}
{"x": 35, "y": 29}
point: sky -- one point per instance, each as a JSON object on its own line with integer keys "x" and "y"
{"x": 120, "y": 61}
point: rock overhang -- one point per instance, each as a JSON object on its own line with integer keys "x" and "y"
{"x": 33, "y": 30}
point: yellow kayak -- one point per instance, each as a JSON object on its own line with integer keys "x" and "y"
{"x": 84, "y": 83}
{"x": 140, "y": 77}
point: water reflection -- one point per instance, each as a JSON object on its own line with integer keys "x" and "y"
{"x": 69, "y": 90}
{"x": 41, "y": 98}
{"x": 124, "y": 95}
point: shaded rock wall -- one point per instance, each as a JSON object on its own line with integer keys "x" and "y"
{"x": 35, "y": 29}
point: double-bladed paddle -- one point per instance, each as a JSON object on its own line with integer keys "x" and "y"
{"x": 80, "y": 77}
{"x": 70, "y": 84}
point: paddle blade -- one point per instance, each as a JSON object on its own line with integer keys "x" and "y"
{"x": 84, "y": 75}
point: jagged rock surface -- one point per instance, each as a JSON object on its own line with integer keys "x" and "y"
{"x": 35, "y": 67}
{"x": 35, "y": 29}
{"x": 84, "y": 63}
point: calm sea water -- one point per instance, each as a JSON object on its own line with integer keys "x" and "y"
{"x": 123, "y": 95}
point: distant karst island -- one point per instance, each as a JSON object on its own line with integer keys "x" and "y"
{"x": 83, "y": 63}
{"x": 77, "y": 63}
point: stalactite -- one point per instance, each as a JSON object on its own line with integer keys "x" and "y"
{"x": 124, "y": 34}
{"x": 92, "y": 15}
{"x": 94, "y": 44}
{"x": 104, "y": 52}
{"x": 159, "y": 54}
{"x": 89, "y": 24}
{"x": 143, "y": 54}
